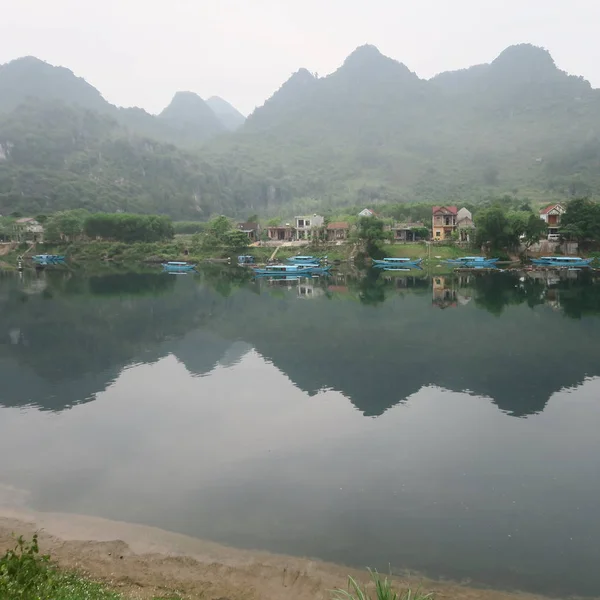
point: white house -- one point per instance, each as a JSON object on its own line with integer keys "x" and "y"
{"x": 306, "y": 224}
{"x": 552, "y": 215}
{"x": 367, "y": 212}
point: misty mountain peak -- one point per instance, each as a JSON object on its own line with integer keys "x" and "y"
{"x": 368, "y": 63}
{"x": 230, "y": 116}
{"x": 187, "y": 109}
{"x": 525, "y": 60}
{"x": 30, "y": 77}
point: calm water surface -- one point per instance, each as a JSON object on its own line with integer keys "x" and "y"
{"x": 445, "y": 425}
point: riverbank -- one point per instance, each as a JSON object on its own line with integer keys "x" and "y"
{"x": 146, "y": 563}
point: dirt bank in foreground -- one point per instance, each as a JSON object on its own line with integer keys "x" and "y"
{"x": 143, "y": 562}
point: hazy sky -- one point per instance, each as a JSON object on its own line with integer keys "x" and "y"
{"x": 139, "y": 52}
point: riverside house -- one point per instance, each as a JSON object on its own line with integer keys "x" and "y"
{"x": 28, "y": 229}
{"x": 443, "y": 222}
{"x": 465, "y": 225}
{"x": 406, "y": 232}
{"x": 252, "y": 230}
{"x": 281, "y": 233}
{"x": 306, "y": 226}
{"x": 338, "y": 231}
{"x": 552, "y": 216}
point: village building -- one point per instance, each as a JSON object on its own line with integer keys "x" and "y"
{"x": 338, "y": 231}
{"x": 552, "y": 215}
{"x": 281, "y": 233}
{"x": 465, "y": 225}
{"x": 307, "y": 226}
{"x": 28, "y": 229}
{"x": 252, "y": 230}
{"x": 407, "y": 232}
{"x": 443, "y": 222}
{"x": 367, "y": 212}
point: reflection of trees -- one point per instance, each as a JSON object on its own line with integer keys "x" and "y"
{"x": 495, "y": 291}
{"x": 578, "y": 300}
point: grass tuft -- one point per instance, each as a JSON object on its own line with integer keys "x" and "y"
{"x": 383, "y": 591}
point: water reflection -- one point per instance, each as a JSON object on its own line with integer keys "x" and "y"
{"x": 235, "y": 409}
{"x": 65, "y": 337}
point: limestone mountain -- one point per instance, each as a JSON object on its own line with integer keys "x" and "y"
{"x": 188, "y": 113}
{"x": 230, "y": 117}
{"x": 29, "y": 77}
{"x": 374, "y": 131}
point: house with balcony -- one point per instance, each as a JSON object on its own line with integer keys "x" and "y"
{"x": 443, "y": 222}
{"x": 552, "y": 215}
{"x": 306, "y": 226}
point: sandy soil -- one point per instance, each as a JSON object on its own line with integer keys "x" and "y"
{"x": 143, "y": 562}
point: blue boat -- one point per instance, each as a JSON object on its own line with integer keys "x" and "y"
{"x": 246, "y": 259}
{"x": 397, "y": 263}
{"x": 178, "y": 267}
{"x": 471, "y": 259}
{"x": 285, "y": 270}
{"x": 298, "y": 260}
{"x": 562, "y": 261}
{"x": 48, "y": 259}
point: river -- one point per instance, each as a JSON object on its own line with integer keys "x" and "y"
{"x": 447, "y": 425}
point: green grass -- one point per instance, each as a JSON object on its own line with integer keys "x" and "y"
{"x": 382, "y": 590}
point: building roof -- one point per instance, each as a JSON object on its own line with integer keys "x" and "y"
{"x": 545, "y": 211}
{"x": 451, "y": 209}
{"x": 417, "y": 224}
{"x": 338, "y": 225}
{"x": 248, "y": 226}
{"x": 464, "y": 213}
{"x": 25, "y": 220}
{"x": 369, "y": 211}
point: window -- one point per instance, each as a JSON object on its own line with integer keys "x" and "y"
{"x": 300, "y": 222}
{"x": 307, "y": 223}
{"x": 438, "y": 234}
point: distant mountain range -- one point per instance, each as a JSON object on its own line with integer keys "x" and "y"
{"x": 371, "y": 132}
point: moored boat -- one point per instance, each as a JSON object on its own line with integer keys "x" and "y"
{"x": 562, "y": 261}
{"x": 246, "y": 259}
{"x": 390, "y": 262}
{"x": 285, "y": 270}
{"x": 302, "y": 260}
{"x": 48, "y": 259}
{"x": 471, "y": 259}
{"x": 176, "y": 266}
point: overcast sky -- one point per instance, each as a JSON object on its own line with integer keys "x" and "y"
{"x": 139, "y": 52}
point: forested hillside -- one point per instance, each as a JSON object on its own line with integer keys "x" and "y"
{"x": 371, "y": 132}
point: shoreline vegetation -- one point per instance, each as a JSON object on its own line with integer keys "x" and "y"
{"x": 73, "y": 557}
{"x": 508, "y": 231}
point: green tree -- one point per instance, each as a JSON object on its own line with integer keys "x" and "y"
{"x": 581, "y": 221}
{"x": 371, "y": 233}
{"x": 66, "y": 225}
{"x": 495, "y": 229}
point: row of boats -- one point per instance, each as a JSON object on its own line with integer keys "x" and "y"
{"x": 311, "y": 265}
{"x": 481, "y": 262}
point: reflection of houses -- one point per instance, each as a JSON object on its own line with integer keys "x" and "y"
{"x": 443, "y": 222}
{"x": 465, "y": 225}
{"x": 281, "y": 233}
{"x": 337, "y": 231}
{"x": 552, "y": 215}
{"x": 451, "y": 291}
{"x": 307, "y": 290}
{"x": 252, "y": 230}
{"x": 444, "y": 296}
{"x": 28, "y": 230}
{"x": 407, "y": 232}
{"x": 306, "y": 226}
